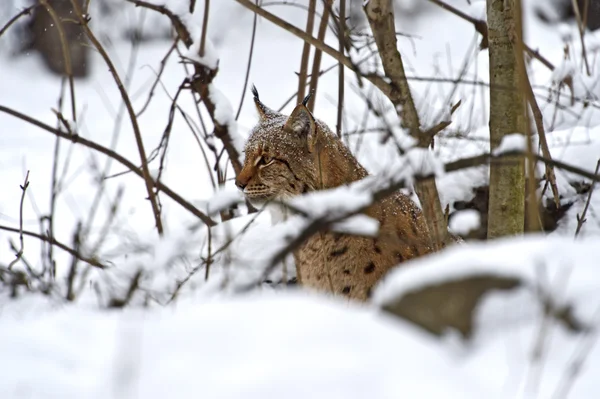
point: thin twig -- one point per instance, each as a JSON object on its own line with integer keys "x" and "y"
{"x": 73, "y": 269}
{"x": 201, "y": 84}
{"x": 66, "y": 52}
{"x": 581, "y": 219}
{"x": 581, "y": 28}
{"x": 209, "y": 257}
{"x": 163, "y": 63}
{"x": 204, "y": 28}
{"x": 239, "y": 110}
{"x": 21, "y": 241}
{"x": 484, "y": 159}
{"x": 315, "y": 73}
{"x": 538, "y": 117}
{"x": 180, "y": 28}
{"x": 302, "y": 75}
{"x": 341, "y": 41}
{"x": 136, "y": 129}
{"x": 23, "y": 12}
{"x": 53, "y": 241}
{"x": 102, "y": 174}
{"x": 375, "y": 79}
{"x": 481, "y": 27}
{"x": 54, "y": 185}
{"x": 117, "y": 157}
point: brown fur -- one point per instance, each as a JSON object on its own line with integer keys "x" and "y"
{"x": 288, "y": 156}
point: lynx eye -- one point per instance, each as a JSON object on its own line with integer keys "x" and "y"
{"x": 265, "y": 160}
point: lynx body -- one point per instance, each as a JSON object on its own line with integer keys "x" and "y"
{"x": 289, "y": 156}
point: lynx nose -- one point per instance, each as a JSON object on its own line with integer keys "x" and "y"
{"x": 241, "y": 184}
{"x": 243, "y": 178}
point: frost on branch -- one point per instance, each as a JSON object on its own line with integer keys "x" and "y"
{"x": 224, "y": 116}
{"x": 210, "y": 59}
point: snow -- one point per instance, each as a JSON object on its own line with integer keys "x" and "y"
{"x": 424, "y": 163}
{"x": 520, "y": 259}
{"x": 464, "y": 221}
{"x": 510, "y": 325}
{"x": 565, "y": 70}
{"x": 565, "y": 32}
{"x": 294, "y": 344}
{"x": 342, "y": 200}
{"x": 211, "y": 341}
{"x": 359, "y": 225}
{"x": 210, "y": 59}
{"x": 225, "y": 117}
{"x": 313, "y": 348}
{"x": 223, "y": 199}
{"x": 511, "y": 142}
{"x": 478, "y": 9}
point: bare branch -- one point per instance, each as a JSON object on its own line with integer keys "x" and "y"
{"x": 66, "y": 54}
{"x": 54, "y": 242}
{"x": 316, "y": 67}
{"x": 20, "y": 251}
{"x": 180, "y": 28}
{"x": 112, "y": 154}
{"x": 581, "y": 218}
{"x": 375, "y": 79}
{"x": 482, "y": 28}
{"x": 25, "y": 11}
{"x": 204, "y": 27}
{"x": 136, "y": 129}
{"x": 251, "y": 52}
{"x": 302, "y": 75}
{"x": 200, "y": 83}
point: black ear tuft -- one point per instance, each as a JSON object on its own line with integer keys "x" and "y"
{"x": 307, "y": 98}
{"x": 264, "y": 112}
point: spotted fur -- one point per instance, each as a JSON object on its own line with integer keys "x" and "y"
{"x": 290, "y": 155}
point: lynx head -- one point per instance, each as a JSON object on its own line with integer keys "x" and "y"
{"x": 279, "y": 155}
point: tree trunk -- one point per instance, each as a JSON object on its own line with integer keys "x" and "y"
{"x": 506, "y": 214}
{"x": 47, "y": 40}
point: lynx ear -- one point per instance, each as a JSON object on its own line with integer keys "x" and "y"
{"x": 302, "y": 123}
{"x": 264, "y": 112}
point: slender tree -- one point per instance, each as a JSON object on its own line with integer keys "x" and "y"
{"x": 506, "y": 213}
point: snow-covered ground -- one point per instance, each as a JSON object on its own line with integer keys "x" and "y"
{"x": 272, "y": 343}
{"x": 297, "y": 345}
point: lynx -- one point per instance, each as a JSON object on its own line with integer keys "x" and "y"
{"x": 288, "y": 156}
